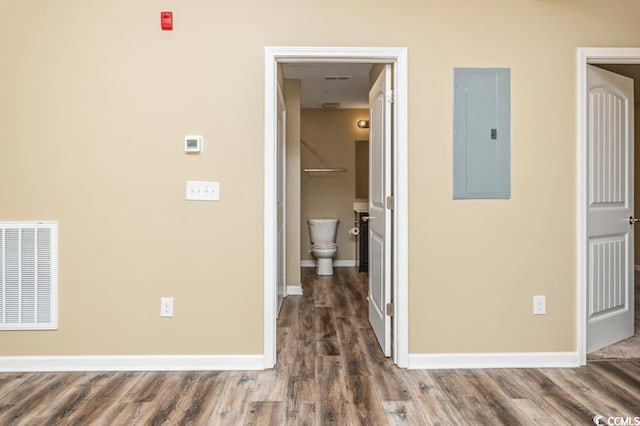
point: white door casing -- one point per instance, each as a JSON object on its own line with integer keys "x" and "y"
{"x": 398, "y": 56}
{"x": 380, "y": 101}
{"x": 610, "y": 279}
{"x": 281, "y": 199}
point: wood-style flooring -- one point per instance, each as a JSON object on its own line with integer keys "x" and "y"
{"x": 330, "y": 371}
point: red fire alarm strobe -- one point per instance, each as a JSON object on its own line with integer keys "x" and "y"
{"x": 166, "y": 20}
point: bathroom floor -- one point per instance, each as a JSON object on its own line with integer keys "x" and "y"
{"x": 626, "y": 349}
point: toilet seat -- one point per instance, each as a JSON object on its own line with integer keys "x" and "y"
{"x": 323, "y": 245}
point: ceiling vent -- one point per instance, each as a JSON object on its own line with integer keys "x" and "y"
{"x": 331, "y": 105}
{"x": 337, "y": 77}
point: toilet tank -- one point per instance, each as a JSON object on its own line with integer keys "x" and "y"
{"x": 323, "y": 230}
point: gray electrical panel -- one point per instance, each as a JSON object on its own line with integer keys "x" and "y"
{"x": 482, "y": 133}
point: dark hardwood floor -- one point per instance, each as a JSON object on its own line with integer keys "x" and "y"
{"x": 330, "y": 371}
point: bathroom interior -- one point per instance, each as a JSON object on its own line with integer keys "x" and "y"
{"x": 327, "y": 142}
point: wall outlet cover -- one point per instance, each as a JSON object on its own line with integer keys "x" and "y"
{"x": 539, "y": 305}
{"x": 166, "y": 307}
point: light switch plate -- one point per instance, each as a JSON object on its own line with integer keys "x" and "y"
{"x": 203, "y": 190}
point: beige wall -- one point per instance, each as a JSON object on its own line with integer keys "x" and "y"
{"x": 292, "y": 100}
{"x": 94, "y": 103}
{"x": 362, "y": 169}
{"x": 328, "y": 140}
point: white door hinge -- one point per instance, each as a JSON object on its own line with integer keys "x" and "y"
{"x": 390, "y": 98}
{"x": 390, "y": 309}
{"x": 391, "y": 202}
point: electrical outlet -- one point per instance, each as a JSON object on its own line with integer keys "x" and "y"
{"x": 539, "y": 305}
{"x": 166, "y": 306}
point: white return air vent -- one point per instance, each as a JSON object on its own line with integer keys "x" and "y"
{"x": 28, "y": 275}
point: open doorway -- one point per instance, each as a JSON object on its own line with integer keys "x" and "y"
{"x": 397, "y": 274}
{"x": 607, "y": 315}
{"x": 340, "y": 104}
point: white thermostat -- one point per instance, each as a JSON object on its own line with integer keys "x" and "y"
{"x": 193, "y": 143}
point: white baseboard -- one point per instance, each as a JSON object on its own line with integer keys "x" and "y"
{"x": 494, "y": 360}
{"x": 131, "y": 363}
{"x": 637, "y": 267}
{"x": 336, "y": 263}
{"x": 294, "y": 290}
{"x": 256, "y": 362}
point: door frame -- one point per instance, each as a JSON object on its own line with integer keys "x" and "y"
{"x": 588, "y": 55}
{"x": 400, "y": 247}
{"x": 282, "y": 188}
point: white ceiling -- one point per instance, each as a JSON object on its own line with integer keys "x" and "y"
{"x": 316, "y": 89}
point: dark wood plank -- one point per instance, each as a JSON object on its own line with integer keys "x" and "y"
{"x": 97, "y": 398}
{"x": 265, "y": 413}
{"x": 43, "y": 397}
{"x": 301, "y": 400}
{"x": 330, "y": 391}
{"x": 490, "y": 395}
{"x": 288, "y": 311}
{"x": 180, "y": 384}
{"x": 303, "y": 353}
{"x": 403, "y": 413}
{"x": 326, "y": 336}
{"x": 389, "y": 383}
{"x": 433, "y": 402}
{"x": 147, "y": 388}
{"x": 527, "y": 398}
{"x": 340, "y": 303}
{"x": 132, "y": 413}
{"x": 233, "y": 402}
{"x": 271, "y": 385}
{"x": 535, "y": 414}
{"x": 365, "y": 404}
{"x": 322, "y": 291}
{"x": 353, "y": 354}
{"x": 557, "y": 397}
{"x": 198, "y": 403}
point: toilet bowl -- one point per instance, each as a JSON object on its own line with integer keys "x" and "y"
{"x": 322, "y": 232}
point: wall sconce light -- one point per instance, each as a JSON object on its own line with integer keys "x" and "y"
{"x": 363, "y": 124}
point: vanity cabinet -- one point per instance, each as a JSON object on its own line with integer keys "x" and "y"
{"x": 363, "y": 242}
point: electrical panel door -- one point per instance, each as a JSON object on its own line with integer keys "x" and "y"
{"x": 482, "y": 133}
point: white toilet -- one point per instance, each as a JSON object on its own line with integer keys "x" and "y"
{"x": 323, "y": 233}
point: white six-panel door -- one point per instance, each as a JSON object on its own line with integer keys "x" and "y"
{"x": 379, "y": 217}
{"x": 610, "y": 300}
